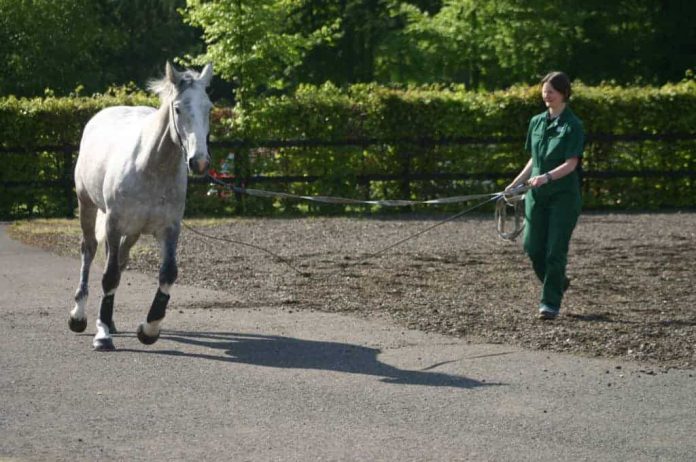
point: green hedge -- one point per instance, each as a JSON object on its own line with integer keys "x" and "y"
{"x": 402, "y": 116}
{"x": 401, "y": 119}
{"x": 27, "y": 125}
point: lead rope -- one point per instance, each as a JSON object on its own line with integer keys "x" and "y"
{"x": 512, "y": 197}
{"x": 514, "y": 201}
{"x": 357, "y": 262}
{"x": 253, "y": 246}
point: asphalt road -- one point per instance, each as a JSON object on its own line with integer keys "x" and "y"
{"x": 230, "y": 383}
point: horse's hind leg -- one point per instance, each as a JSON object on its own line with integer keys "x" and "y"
{"x": 110, "y": 281}
{"x": 148, "y": 332}
{"x": 127, "y": 242}
{"x": 88, "y": 247}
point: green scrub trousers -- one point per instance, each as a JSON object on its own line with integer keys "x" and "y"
{"x": 552, "y": 210}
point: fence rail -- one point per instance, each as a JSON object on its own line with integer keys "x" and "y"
{"x": 67, "y": 153}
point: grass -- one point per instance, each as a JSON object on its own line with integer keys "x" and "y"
{"x": 71, "y": 227}
{"x": 59, "y": 226}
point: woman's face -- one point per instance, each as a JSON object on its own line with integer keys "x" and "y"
{"x": 552, "y": 97}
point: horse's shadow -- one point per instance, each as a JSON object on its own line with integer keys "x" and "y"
{"x": 292, "y": 353}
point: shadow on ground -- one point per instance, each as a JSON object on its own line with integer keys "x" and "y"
{"x": 292, "y": 353}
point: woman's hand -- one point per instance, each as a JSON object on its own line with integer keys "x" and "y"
{"x": 521, "y": 178}
{"x": 556, "y": 174}
{"x": 512, "y": 186}
{"x": 539, "y": 180}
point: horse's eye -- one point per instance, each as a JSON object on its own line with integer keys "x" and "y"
{"x": 176, "y": 109}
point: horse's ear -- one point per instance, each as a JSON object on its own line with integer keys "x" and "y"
{"x": 206, "y": 74}
{"x": 171, "y": 73}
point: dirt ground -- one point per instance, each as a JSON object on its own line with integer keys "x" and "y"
{"x": 632, "y": 293}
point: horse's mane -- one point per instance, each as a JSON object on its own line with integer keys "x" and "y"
{"x": 166, "y": 90}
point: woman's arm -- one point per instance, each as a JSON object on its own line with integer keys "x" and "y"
{"x": 522, "y": 177}
{"x": 556, "y": 174}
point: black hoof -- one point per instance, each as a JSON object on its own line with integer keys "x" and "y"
{"x": 77, "y": 325}
{"x": 104, "y": 344}
{"x": 144, "y": 338}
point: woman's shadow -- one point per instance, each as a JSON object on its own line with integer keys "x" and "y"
{"x": 291, "y": 353}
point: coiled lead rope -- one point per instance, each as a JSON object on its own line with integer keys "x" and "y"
{"x": 513, "y": 200}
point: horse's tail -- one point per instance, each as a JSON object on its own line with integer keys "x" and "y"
{"x": 100, "y": 226}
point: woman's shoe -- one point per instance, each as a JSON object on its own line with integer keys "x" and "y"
{"x": 547, "y": 312}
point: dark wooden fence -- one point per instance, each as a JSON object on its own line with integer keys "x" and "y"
{"x": 61, "y": 183}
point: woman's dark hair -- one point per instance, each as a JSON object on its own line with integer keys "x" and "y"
{"x": 560, "y": 82}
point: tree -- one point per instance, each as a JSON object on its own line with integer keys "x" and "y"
{"x": 141, "y": 35}
{"x": 480, "y": 43}
{"x": 360, "y": 26}
{"x": 674, "y": 42}
{"x": 629, "y": 41}
{"x": 64, "y": 44}
{"x": 47, "y": 44}
{"x": 494, "y": 43}
{"x": 251, "y": 43}
{"x": 264, "y": 46}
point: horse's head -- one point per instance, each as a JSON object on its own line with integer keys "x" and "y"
{"x": 190, "y": 110}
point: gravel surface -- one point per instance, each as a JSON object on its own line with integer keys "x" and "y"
{"x": 631, "y": 295}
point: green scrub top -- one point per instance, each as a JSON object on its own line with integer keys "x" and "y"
{"x": 550, "y": 143}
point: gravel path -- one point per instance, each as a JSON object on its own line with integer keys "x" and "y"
{"x": 632, "y": 276}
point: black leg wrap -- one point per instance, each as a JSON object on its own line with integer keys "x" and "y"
{"x": 111, "y": 279}
{"x": 106, "y": 312}
{"x": 159, "y": 306}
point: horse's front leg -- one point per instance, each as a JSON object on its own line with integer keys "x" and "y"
{"x": 88, "y": 247}
{"x": 148, "y": 332}
{"x": 110, "y": 281}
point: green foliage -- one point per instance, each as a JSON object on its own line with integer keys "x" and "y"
{"x": 39, "y": 42}
{"x": 484, "y": 44}
{"x": 361, "y": 26}
{"x": 402, "y": 117}
{"x": 403, "y": 121}
{"x": 27, "y": 126}
{"x": 56, "y": 121}
{"x": 142, "y": 36}
{"x": 92, "y": 44}
{"x": 495, "y": 43}
{"x": 250, "y": 42}
{"x": 272, "y": 46}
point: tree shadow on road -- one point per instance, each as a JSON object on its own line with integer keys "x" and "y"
{"x": 292, "y": 353}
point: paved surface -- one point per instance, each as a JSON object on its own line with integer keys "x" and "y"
{"x": 228, "y": 383}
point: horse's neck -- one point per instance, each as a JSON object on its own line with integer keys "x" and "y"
{"x": 158, "y": 150}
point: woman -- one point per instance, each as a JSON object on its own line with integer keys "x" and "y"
{"x": 555, "y": 141}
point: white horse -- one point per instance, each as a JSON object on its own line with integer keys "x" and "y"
{"x": 132, "y": 167}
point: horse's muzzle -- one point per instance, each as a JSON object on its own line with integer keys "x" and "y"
{"x": 199, "y": 164}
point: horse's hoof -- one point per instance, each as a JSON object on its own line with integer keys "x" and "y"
{"x": 144, "y": 338}
{"x": 77, "y": 325}
{"x": 103, "y": 344}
